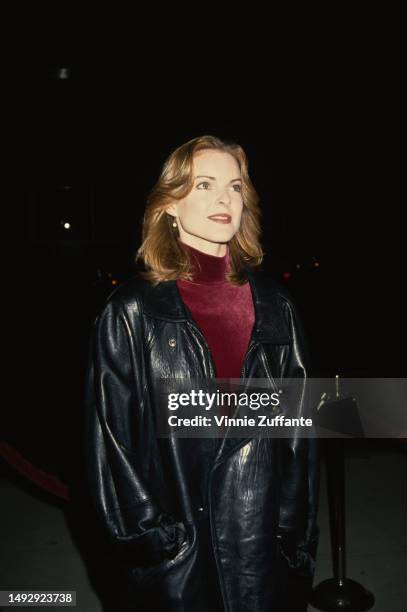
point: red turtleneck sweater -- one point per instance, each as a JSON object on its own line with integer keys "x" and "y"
{"x": 224, "y": 312}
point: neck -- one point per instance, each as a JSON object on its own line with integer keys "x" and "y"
{"x": 205, "y": 267}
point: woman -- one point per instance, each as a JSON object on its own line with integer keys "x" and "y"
{"x": 205, "y": 524}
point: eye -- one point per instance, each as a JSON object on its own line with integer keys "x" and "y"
{"x": 238, "y": 190}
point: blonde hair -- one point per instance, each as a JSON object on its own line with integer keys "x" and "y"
{"x": 160, "y": 251}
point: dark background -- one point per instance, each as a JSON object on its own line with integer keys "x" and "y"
{"x": 86, "y": 144}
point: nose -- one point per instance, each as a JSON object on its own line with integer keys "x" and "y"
{"x": 224, "y": 196}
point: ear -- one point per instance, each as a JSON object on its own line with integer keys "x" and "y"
{"x": 172, "y": 210}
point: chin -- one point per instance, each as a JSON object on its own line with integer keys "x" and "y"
{"x": 222, "y": 235}
{"x": 220, "y": 239}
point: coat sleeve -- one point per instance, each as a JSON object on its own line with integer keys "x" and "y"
{"x": 298, "y": 530}
{"x": 137, "y": 529}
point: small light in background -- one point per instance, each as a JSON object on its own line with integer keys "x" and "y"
{"x": 298, "y": 266}
{"x": 286, "y": 275}
{"x": 60, "y": 73}
{"x": 66, "y": 225}
{"x": 63, "y": 74}
{"x": 114, "y": 281}
{"x": 316, "y": 264}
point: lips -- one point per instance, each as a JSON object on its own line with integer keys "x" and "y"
{"x": 221, "y": 218}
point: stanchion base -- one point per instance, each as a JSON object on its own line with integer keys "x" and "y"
{"x": 334, "y": 594}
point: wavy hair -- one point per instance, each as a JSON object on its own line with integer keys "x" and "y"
{"x": 162, "y": 255}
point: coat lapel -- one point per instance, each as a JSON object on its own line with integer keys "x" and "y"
{"x": 164, "y": 301}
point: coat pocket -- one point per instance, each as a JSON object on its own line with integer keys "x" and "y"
{"x": 147, "y": 575}
{"x": 299, "y": 554}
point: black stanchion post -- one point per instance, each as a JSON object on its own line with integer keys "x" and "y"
{"x": 338, "y": 593}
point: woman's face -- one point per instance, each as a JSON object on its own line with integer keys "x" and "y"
{"x": 216, "y": 191}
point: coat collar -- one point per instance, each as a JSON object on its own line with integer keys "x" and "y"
{"x": 164, "y": 301}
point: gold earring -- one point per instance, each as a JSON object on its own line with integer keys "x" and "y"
{"x": 174, "y": 224}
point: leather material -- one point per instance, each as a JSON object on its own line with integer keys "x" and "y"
{"x": 158, "y": 498}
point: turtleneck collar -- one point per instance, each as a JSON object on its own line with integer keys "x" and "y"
{"x": 207, "y": 268}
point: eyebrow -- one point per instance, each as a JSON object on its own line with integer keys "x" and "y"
{"x": 214, "y": 179}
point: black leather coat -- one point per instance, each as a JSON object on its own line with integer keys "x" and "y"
{"x": 178, "y": 511}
